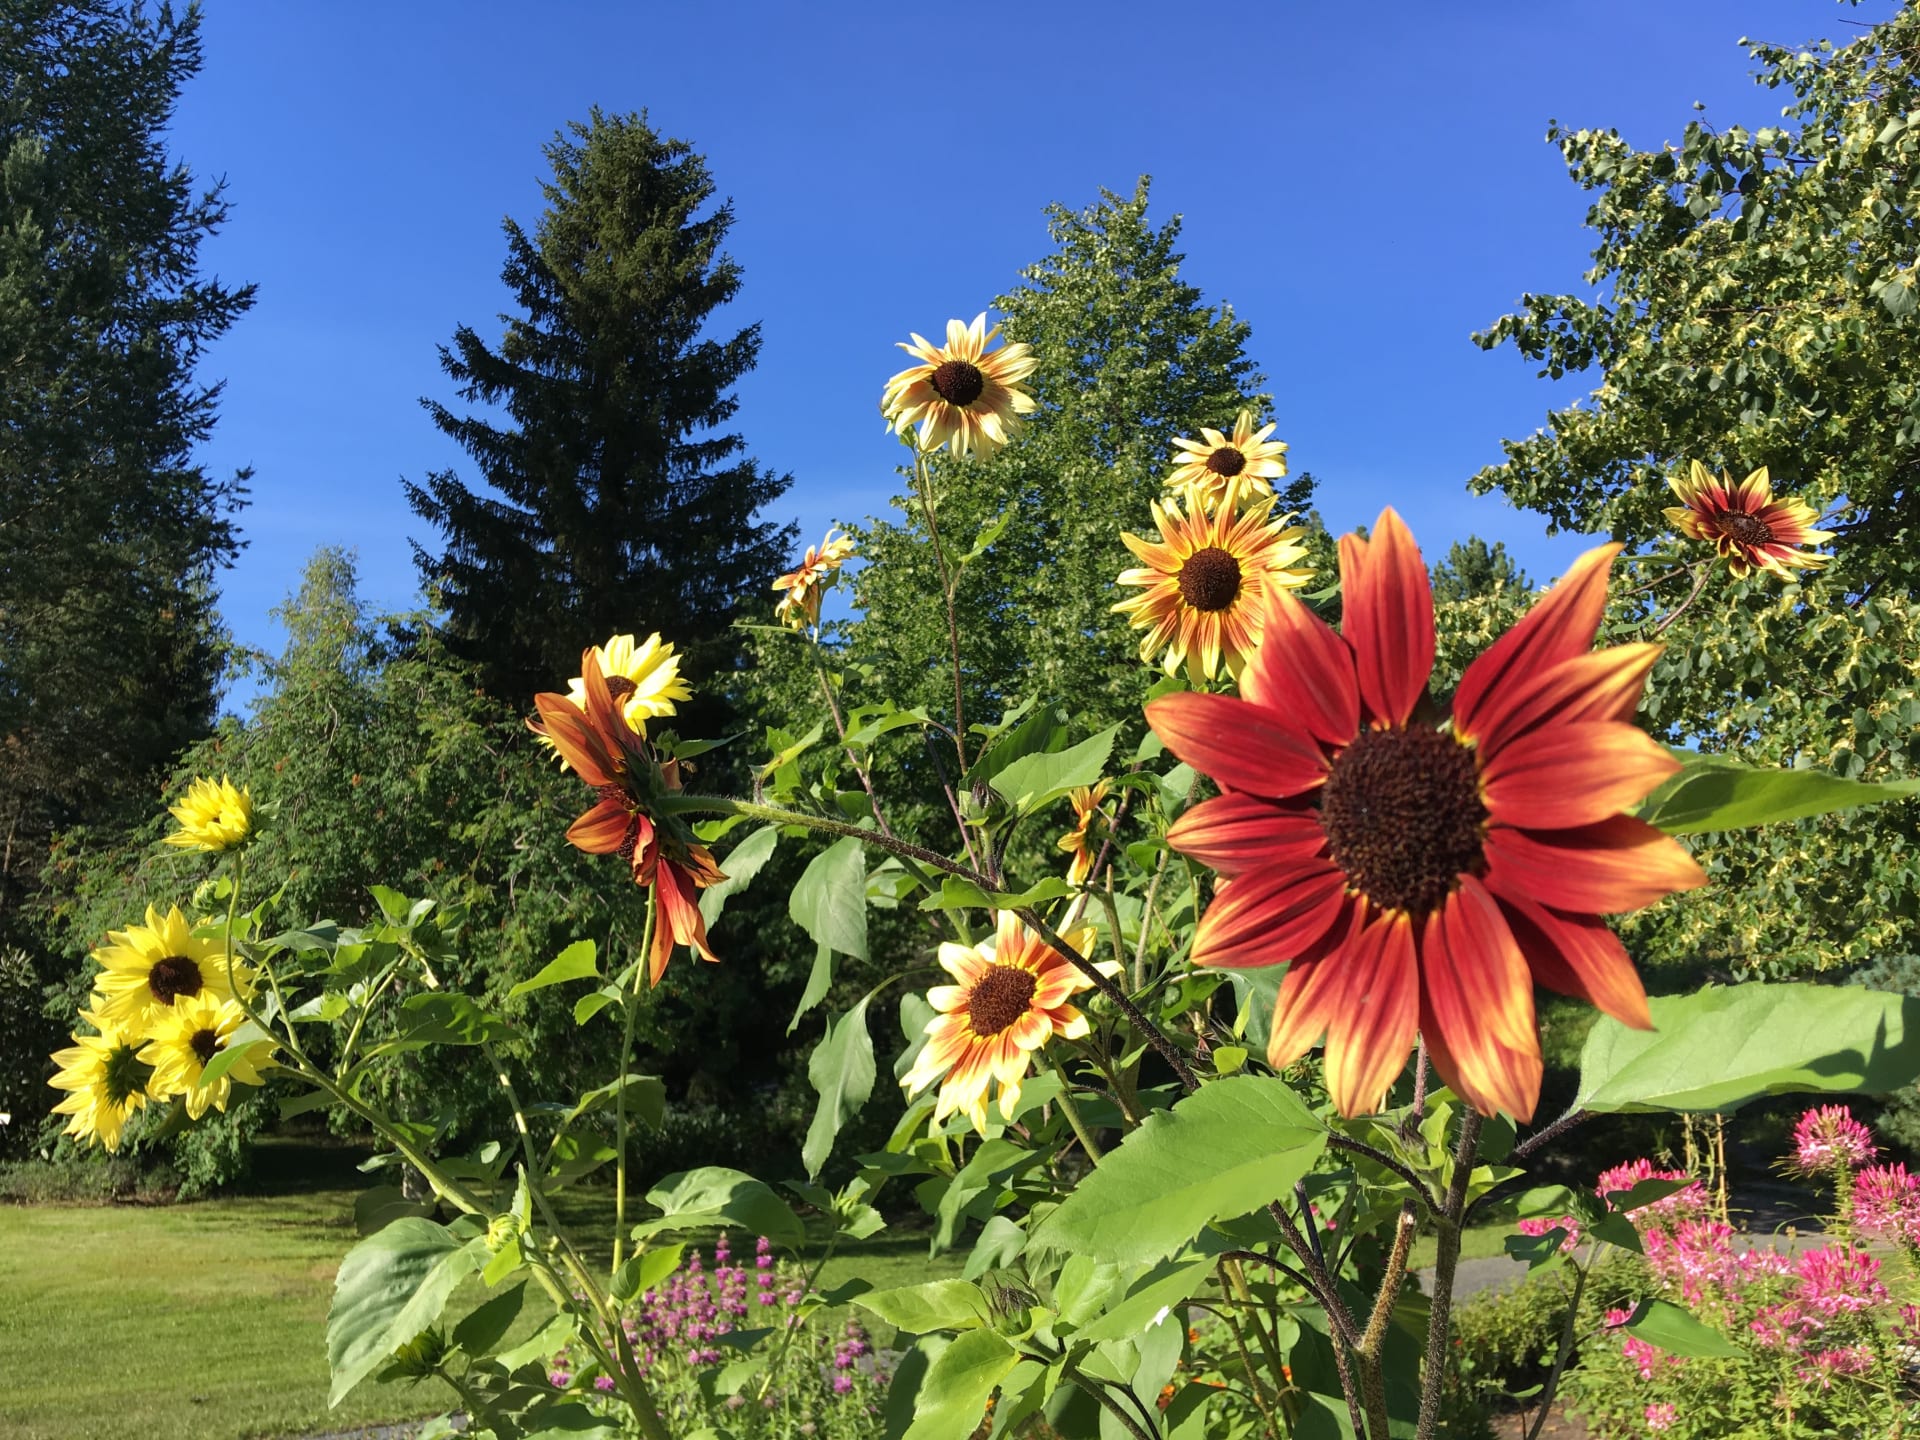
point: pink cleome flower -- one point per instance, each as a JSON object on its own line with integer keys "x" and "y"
{"x": 1662, "y": 1416}
{"x": 1886, "y": 1202}
{"x": 1541, "y": 1227}
{"x": 1828, "y": 1137}
{"x": 1824, "y": 1367}
{"x": 1690, "y": 1201}
{"x": 1838, "y": 1281}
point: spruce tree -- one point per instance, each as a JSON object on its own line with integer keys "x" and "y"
{"x": 612, "y": 499}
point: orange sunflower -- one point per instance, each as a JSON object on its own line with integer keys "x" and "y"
{"x": 961, "y": 392}
{"x": 1079, "y": 841}
{"x": 1749, "y": 527}
{"x": 1205, "y": 586}
{"x": 1217, "y": 472}
{"x": 616, "y": 761}
{"x": 1010, "y": 1000}
{"x": 1419, "y": 877}
{"x": 805, "y": 587}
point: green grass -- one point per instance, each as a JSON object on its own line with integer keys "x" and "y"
{"x": 1477, "y": 1242}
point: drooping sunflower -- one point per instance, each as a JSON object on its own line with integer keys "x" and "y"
{"x": 614, "y": 759}
{"x": 1079, "y": 842}
{"x": 961, "y": 392}
{"x": 1747, "y": 525}
{"x": 644, "y": 679}
{"x": 1206, "y": 583}
{"x": 213, "y": 815}
{"x": 1217, "y": 472}
{"x": 805, "y": 587}
{"x": 104, "y": 1080}
{"x": 1421, "y": 877}
{"x": 147, "y": 969}
{"x": 1010, "y": 1000}
{"x": 184, "y": 1044}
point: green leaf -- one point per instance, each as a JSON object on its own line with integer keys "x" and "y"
{"x": 830, "y": 900}
{"x": 640, "y": 1273}
{"x": 741, "y": 864}
{"x": 243, "y": 1040}
{"x": 953, "y": 1393}
{"x": 1227, "y": 1149}
{"x": 439, "y": 1018}
{"x": 1659, "y": 1322}
{"x": 1725, "y": 1046}
{"x": 1152, "y": 1295}
{"x": 819, "y": 981}
{"x": 1033, "y": 780}
{"x": 715, "y": 1197}
{"x": 990, "y": 532}
{"x": 486, "y": 1326}
{"x": 936, "y": 1305}
{"x": 870, "y": 722}
{"x": 576, "y": 962}
{"x": 591, "y": 1004}
{"x": 1715, "y": 793}
{"x": 842, "y": 1072}
{"x": 391, "y": 1286}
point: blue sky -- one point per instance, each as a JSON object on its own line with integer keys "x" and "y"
{"x": 1367, "y": 184}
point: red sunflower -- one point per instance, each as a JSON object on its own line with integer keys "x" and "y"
{"x": 1420, "y": 878}
{"x": 1751, "y": 527}
{"x": 617, "y": 762}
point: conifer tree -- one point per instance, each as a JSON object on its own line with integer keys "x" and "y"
{"x": 612, "y": 500}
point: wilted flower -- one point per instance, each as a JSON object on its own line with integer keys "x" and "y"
{"x": 1079, "y": 842}
{"x": 1748, "y": 527}
{"x": 961, "y": 392}
{"x": 805, "y": 587}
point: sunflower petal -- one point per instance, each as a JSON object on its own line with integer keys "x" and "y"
{"x": 1579, "y": 955}
{"x": 1616, "y": 865}
{"x": 1599, "y": 685}
{"x": 1271, "y": 915}
{"x": 1566, "y": 775}
{"x": 1374, "y": 1014}
{"x": 603, "y": 829}
{"x": 1243, "y": 746}
{"x": 1304, "y": 668}
{"x": 1479, "y": 995}
{"x": 1559, "y": 627}
{"x": 1387, "y": 618}
{"x": 1233, "y": 834}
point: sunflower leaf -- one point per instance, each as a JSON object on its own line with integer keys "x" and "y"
{"x": 1714, "y": 792}
{"x": 576, "y": 962}
{"x": 391, "y": 1286}
{"x": 1036, "y": 780}
{"x": 743, "y": 862}
{"x": 1662, "y": 1323}
{"x": 842, "y": 1071}
{"x": 830, "y": 900}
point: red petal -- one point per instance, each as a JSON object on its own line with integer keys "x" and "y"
{"x": 1579, "y": 955}
{"x": 1270, "y": 916}
{"x": 1601, "y": 685}
{"x": 678, "y": 921}
{"x": 1243, "y": 746}
{"x": 567, "y": 728}
{"x": 1614, "y": 866}
{"x": 603, "y": 829}
{"x": 1387, "y": 617}
{"x": 1561, "y": 626}
{"x": 1236, "y": 833}
{"x": 1374, "y": 1014}
{"x": 1304, "y": 1007}
{"x": 1303, "y": 668}
{"x": 1479, "y": 995}
{"x": 1566, "y": 775}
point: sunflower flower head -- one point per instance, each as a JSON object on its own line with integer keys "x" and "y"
{"x": 1747, "y": 525}
{"x": 963, "y": 393}
{"x": 145, "y": 970}
{"x": 183, "y": 1045}
{"x": 213, "y": 816}
{"x": 1010, "y": 998}
{"x": 1419, "y": 878}
{"x": 1218, "y": 472}
{"x": 1084, "y": 838}
{"x": 630, "y": 816}
{"x": 104, "y": 1080}
{"x": 643, "y": 679}
{"x": 806, "y": 586}
{"x": 1205, "y": 584}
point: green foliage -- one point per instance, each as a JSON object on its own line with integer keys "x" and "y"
{"x": 626, "y": 508}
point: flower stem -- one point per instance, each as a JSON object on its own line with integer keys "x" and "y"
{"x": 629, "y": 1005}
{"x": 923, "y": 482}
{"x": 1446, "y": 1259}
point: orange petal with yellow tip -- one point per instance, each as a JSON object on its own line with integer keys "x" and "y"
{"x": 1579, "y": 955}
{"x": 1304, "y": 669}
{"x": 603, "y": 829}
{"x": 1387, "y": 617}
{"x": 1561, "y": 626}
{"x": 1600, "y": 685}
{"x": 1479, "y": 997}
{"x": 1243, "y": 746}
{"x": 1607, "y": 868}
{"x": 1373, "y": 1014}
{"x": 1232, "y": 834}
{"x": 1273, "y": 915}
{"x": 1560, "y": 776}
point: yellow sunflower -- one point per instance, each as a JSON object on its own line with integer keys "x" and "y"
{"x": 1079, "y": 842}
{"x": 644, "y": 679}
{"x": 147, "y": 969}
{"x": 805, "y": 587}
{"x": 105, "y": 1082}
{"x": 212, "y": 815}
{"x": 184, "y": 1044}
{"x": 1011, "y": 999}
{"x": 961, "y": 392}
{"x": 1204, "y": 587}
{"x": 1217, "y": 472}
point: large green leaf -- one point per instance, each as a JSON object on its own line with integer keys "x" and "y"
{"x": 1227, "y": 1149}
{"x": 741, "y": 864}
{"x": 576, "y": 962}
{"x": 953, "y": 1393}
{"x": 391, "y": 1286}
{"x": 830, "y": 900}
{"x": 1659, "y": 1322}
{"x": 715, "y": 1197}
{"x": 1724, "y": 1046}
{"x": 842, "y": 1071}
{"x": 1033, "y": 780}
{"x": 936, "y": 1305}
{"x": 1715, "y": 793}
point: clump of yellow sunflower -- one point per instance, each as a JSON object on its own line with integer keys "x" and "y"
{"x": 1749, "y": 528}
{"x": 213, "y": 815}
{"x": 805, "y": 587}
{"x": 105, "y": 1081}
{"x": 643, "y": 679}
{"x": 184, "y": 1044}
{"x": 1011, "y": 999}
{"x": 961, "y": 392}
{"x": 1217, "y": 472}
{"x": 145, "y": 970}
{"x": 1079, "y": 842}
{"x": 1204, "y": 587}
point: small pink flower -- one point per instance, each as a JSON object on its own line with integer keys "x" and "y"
{"x": 1661, "y": 1416}
{"x": 1838, "y": 1282}
{"x": 1690, "y": 1201}
{"x": 1824, "y": 1366}
{"x": 1565, "y": 1222}
{"x": 603, "y": 1383}
{"x": 1886, "y": 1202}
{"x": 1827, "y": 1137}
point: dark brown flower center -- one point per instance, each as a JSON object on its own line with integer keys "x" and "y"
{"x": 1226, "y": 461}
{"x": 206, "y": 1044}
{"x": 999, "y": 998}
{"x": 1403, "y": 817}
{"x": 958, "y": 383}
{"x": 1210, "y": 580}
{"x": 631, "y": 840}
{"x": 1745, "y": 529}
{"x": 620, "y": 687}
{"x": 174, "y": 976}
